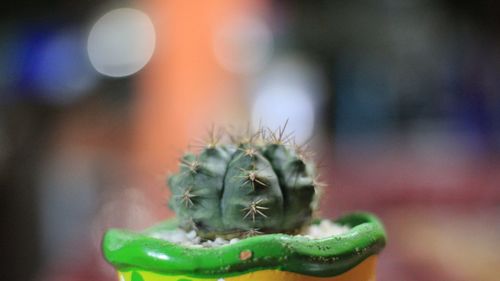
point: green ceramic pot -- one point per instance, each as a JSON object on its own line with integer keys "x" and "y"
{"x": 348, "y": 257}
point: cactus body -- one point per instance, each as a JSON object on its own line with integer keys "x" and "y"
{"x": 243, "y": 188}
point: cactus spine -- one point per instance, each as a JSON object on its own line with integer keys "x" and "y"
{"x": 252, "y": 185}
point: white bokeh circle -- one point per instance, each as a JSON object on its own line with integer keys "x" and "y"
{"x": 121, "y": 42}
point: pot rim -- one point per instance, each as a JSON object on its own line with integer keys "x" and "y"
{"x": 324, "y": 257}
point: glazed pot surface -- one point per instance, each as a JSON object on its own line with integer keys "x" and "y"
{"x": 350, "y": 256}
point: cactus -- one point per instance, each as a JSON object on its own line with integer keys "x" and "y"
{"x": 251, "y": 185}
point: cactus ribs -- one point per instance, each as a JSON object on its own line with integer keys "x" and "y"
{"x": 251, "y": 185}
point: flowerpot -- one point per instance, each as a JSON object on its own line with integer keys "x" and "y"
{"x": 350, "y": 256}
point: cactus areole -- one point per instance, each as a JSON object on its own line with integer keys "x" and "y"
{"x": 249, "y": 186}
{"x": 261, "y": 186}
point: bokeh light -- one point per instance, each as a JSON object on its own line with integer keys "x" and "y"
{"x": 63, "y": 72}
{"x": 289, "y": 93}
{"x": 121, "y": 42}
{"x": 243, "y": 45}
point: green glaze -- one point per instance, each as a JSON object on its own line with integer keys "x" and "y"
{"x": 137, "y": 277}
{"x": 315, "y": 257}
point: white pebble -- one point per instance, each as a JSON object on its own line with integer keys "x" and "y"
{"x": 220, "y": 241}
{"x": 191, "y": 235}
{"x": 324, "y": 229}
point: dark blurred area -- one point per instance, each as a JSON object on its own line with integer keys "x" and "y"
{"x": 401, "y": 100}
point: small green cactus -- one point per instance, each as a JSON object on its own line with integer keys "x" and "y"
{"x": 252, "y": 185}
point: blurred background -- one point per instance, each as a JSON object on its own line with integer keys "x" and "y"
{"x": 401, "y": 98}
